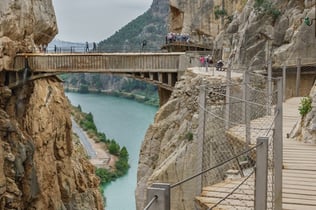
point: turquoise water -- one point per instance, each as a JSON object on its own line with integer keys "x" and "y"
{"x": 126, "y": 121}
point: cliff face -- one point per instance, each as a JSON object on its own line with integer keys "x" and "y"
{"x": 170, "y": 151}
{"x": 248, "y": 36}
{"x": 39, "y": 168}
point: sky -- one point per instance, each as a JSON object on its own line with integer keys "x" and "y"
{"x": 95, "y": 20}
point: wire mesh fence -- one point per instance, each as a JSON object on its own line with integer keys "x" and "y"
{"x": 235, "y": 115}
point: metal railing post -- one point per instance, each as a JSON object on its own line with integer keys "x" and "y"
{"x": 227, "y": 108}
{"x": 158, "y": 197}
{"x": 246, "y": 114}
{"x": 201, "y": 134}
{"x": 284, "y": 81}
{"x": 298, "y": 77}
{"x": 269, "y": 102}
{"x": 278, "y": 148}
{"x": 261, "y": 181}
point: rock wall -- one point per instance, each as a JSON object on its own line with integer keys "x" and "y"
{"x": 306, "y": 129}
{"x": 39, "y": 168}
{"x": 245, "y": 36}
{"x": 168, "y": 153}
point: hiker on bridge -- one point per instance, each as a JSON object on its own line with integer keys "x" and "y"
{"x": 94, "y": 49}
{"x": 87, "y": 47}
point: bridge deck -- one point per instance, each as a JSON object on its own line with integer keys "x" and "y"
{"x": 299, "y": 174}
{"x": 162, "y": 69}
{"x": 99, "y": 62}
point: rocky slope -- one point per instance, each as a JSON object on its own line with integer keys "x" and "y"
{"x": 39, "y": 168}
{"x": 248, "y": 36}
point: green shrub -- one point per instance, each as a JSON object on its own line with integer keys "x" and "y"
{"x": 114, "y": 148}
{"x": 267, "y": 7}
{"x": 219, "y": 12}
{"x": 189, "y": 136}
{"x": 105, "y": 175}
{"x": 305, "y": 106}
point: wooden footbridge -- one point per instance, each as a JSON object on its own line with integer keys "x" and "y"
{"x": 162, "y": 69}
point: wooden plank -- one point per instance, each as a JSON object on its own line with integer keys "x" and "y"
{"x": 299, "y": 182}
{"x": 300, "y": 201}
{"x": 298, "y": 191}
{"x": 300, "y": 196}
{"x": 297, "y": 172}
{"x": 242, "y": 196}
{"x": 301, "y": 187}
{"x": 307, "y": 167}
{"x": 228, "y": 202}
{"x": 286, "y": 206}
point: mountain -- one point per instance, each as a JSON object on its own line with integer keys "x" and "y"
{"x": 150, "y": 27}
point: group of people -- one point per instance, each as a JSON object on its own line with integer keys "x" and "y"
{"x": 177, "y": 37}
{"x": 42, "y": 48}
{"x": 207, "y": 61}
{"x": 94, "y": 47}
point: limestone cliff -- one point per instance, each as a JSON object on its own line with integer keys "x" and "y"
{"x": 170, "y": 150}
{"x": 248, "y": 36}
{"x": 38, "y": 167}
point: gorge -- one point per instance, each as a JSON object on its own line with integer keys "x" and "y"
{"x": 35, "y": 126}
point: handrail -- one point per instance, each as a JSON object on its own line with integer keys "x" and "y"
{"x": 216, "y": 166}
{"x": 151, "y": 202}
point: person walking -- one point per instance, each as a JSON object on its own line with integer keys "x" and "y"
{"x": 87, "y": 47}
{"x": 94, "y": 49}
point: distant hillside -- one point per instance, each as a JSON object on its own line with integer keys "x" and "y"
{"x": 65, "y": 46}
{"x": 150, "y": 26}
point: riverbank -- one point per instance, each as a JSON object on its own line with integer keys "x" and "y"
{"x": 106, "y": 154}
{"x": 96, "y": 151}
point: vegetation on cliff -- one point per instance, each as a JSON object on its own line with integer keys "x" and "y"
{"x": 86, "y": 122}
{"x": 148, "y": 26}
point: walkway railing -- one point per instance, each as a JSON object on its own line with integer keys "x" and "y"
{"x": 240, "y": 139}
{"x": 100, "y": 62}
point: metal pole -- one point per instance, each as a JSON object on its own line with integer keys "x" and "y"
{"x": 298, "y": 77}
{"x": 201, "y": 135}
{"x": 246, "y": 114}
{"x": 269, "y": 87}
{"x": 284, "y": 81}
{"x": 227, "y": 108}
{"x": 278, "y": 148}
{"x": 261, "y": 181}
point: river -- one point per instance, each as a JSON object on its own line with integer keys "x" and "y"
{"x": 126, "y": 121}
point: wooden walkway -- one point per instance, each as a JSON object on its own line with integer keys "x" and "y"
{"x": 299, "y": 162}
{"x": 299, "y": 174}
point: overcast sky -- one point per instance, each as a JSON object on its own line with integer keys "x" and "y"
{"x": 95, "y": 20}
